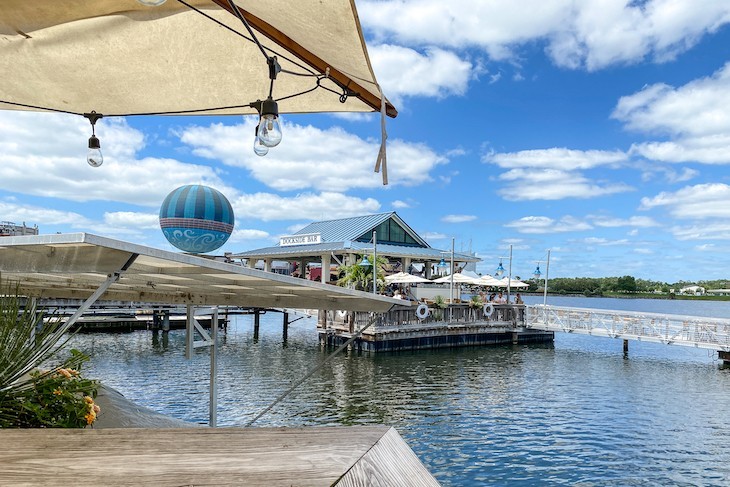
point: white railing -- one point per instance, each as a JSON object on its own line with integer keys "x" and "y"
{"x": 691, "y": 331}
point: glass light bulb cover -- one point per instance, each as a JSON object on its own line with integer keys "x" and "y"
{"x": 269, "y": 130}
{"x": 152, "y": 3}
{"x": 94, "y": 157}
{"x": 259, "y": 148}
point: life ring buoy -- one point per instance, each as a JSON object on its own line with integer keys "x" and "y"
{"x": 422, "y": 311}
{"x": 342, "y": 313}
{"x": 488, "y": 310}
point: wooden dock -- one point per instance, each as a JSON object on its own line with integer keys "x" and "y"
{"x": 311, "y": 456}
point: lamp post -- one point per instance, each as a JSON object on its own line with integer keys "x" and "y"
{"x": 537, "y": 274}
{"x": 442, "y": 265}
{"x": 500, "y": 271}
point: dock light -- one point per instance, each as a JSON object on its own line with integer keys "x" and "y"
{"x": 94, "y": 157}
{"x": 364, "y": 262}
{"x": 500, "y": 270}
{"x": 537, "y": 272}
{"x": 441, "y": 264}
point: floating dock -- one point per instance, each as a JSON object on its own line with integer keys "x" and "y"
{"x": 412, "y": 328}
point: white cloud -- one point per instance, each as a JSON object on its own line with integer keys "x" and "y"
{"x": 267, "y": 206}
{"x": 41, "y": 216}
{"x": 544, "y": 225}
{"x": 634, "y": 221}
{"x": 699, "y": 202}
{"x": 398, "y": 204}
{"x": 309, "y": 157}
{"x": 553, "y": 174}
{"x": 458, "y": 218}
{"x": 54, "y": 165}
{"x": 695, "y": 116}
{"x": 592, "y": 34}
{"x": 705, "y": 231}
{"x": 643, "y": 251}
{"x": 245, "y": 234}
{"x": 429, "y": 236}
{"x": 404, "y": 72}
{"x": 549, "y": 184}
{"x": 130, "y": 219}
{"x": 557, "y": 158}
{"x": 603, "y": 242}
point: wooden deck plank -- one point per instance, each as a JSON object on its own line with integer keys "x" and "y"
{"x": 207, "y": 456}
{"x": 389, "y": 462}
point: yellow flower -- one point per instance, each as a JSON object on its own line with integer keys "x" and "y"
{"x": 65, "y": 373}
{"x": 90, "y": 417}
{"x": 88, "y": 400}
{"x": 96, "y": 409}
{"x": 73, "y": 372}
{"x": 58, "y": 392}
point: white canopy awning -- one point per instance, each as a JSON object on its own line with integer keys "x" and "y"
{"x": 119, "y": 57}
{"x": 75, "y": 266}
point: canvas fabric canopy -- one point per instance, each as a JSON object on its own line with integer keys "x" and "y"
{"x": 404, "y": 278}
{"x": 119, "y": 57}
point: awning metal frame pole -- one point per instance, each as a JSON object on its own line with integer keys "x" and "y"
{"x": 111, "y": 279}
{"x": 208, "y": 340}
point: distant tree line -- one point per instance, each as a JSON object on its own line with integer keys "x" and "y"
{"x": 597, "y": 286}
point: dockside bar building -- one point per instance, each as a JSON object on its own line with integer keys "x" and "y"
{"x": 339, "y": 242}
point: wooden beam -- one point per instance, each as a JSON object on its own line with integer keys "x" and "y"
{"x": 310, "y": 58}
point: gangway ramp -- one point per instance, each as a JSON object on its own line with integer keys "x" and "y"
{"x": 689, "y": 331}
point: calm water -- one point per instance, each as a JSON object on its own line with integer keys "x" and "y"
{"x": 576, "y": 412}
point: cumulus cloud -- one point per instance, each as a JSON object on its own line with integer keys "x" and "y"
{"x": 590, "y": 34}
{"x": 405, "y": 72}
{"x": 244, "y": 234}
{"x": 308, "y": 206}
{"x": 634, "y": 221}
{"x": 458, "y": 218}
{"x": 556, "y": 173}
{"x": 55, "y": 165}
{"x": 399, "y": 205}
{"x": 699, "y": 202}
{"x": 313, "y": 158}
{"x": 696, "y": 117}
{"x": 12, "y": 211}
{"x": 545, "y": 225}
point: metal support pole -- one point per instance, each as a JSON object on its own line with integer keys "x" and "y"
{"x": 213, "y": 404}
{"x": 509, "y": 277}
{"x": 451, "y": 284}
{"x": 375, "y": 262}
{"x": 547, "y": 271}
{"x": 189, "y": 332}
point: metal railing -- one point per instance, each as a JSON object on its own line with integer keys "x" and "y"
{"x": 691, "y": 331}
{"x": 454, "y": 314}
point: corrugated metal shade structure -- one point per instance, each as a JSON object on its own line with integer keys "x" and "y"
{"x": 74, "y": 266}
{"x": 119, "y": 57}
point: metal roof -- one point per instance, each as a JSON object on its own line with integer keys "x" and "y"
{"x": 350, "y": 247}
{"x": 77, "y": 265}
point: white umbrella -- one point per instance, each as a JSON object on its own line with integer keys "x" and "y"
{"x": 404, "y": 278}
{"x": 459, "y": 278}
{"x": 487, "y": 280}
{"x": 518, "y": 283}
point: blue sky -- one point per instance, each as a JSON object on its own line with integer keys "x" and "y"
{"x": 597, "y": 129}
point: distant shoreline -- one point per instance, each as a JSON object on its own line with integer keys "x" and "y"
{"x": 677, "y": 297}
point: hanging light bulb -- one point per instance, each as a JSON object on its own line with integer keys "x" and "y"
{"x": 94, "y": 156}
{"x": 269, "y": 129}
{"x": 500, "y": 270}
{"x": 151, "y": 3}
{"x": 259, "y": 148}
{"x": 537, "y": 272}
{"x": 441, "y": 264}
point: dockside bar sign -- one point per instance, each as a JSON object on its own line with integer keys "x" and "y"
{"x": 304, "y": 239}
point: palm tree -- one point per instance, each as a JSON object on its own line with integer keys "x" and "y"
{"x": 359, "y": 276}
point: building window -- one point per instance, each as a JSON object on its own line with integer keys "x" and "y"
{"x": 389, "y": 232}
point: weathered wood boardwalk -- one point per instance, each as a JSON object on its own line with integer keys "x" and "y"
{"x": 312, "y": 456}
